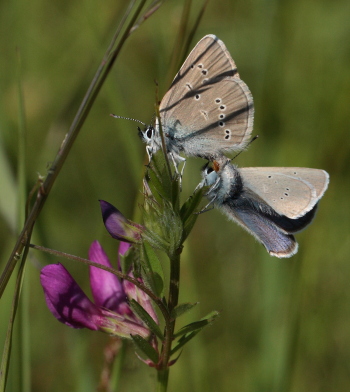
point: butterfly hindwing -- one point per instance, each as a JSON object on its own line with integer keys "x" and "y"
{"x": 276, "y": 241}
{"x": 290, "y": 191}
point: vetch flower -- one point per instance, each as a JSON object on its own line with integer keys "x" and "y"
{"x": 110, "y": 311}
{"x": 118, "y": 226}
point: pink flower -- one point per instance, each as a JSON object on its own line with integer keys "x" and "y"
{"x": 110, "y": 312}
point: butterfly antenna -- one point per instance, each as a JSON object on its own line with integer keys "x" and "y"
{"x": 128, "y": 118}
{"x": 250, "y": 142}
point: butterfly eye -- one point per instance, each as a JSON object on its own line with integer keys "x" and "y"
{"x": 209, "y": 170}
{"x": 149, "y": 133}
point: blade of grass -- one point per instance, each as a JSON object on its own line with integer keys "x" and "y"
{"x": 23, "y": 321}
{"x": 178, "y": 51}
{"x": 8, "y": 340}
{"x": 193, "y": 31}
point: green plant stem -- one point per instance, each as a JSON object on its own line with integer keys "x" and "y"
{"x": 174, "y": 281}
{"x": 162, "y": 378}
{"x": 163, "y": 369}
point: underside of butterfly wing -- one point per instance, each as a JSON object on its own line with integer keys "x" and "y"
{"x": 276, "y": 241}
{"x": 208, "y": 109}
{"x": 290, "y": 191}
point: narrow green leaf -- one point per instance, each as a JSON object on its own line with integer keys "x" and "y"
{"x": 191, "y": 204}
{"x": 8, "y": 195}
{"x": 179, "y": 310}
{"x": 146, "y": 318}
{"x": 153, "y": 269}
{"x": 178, "y": 55}
{"x": 197, "y": 325}
{"x": 175, "y": 194}
{"x": 193, "y": 30}
{"x": 187, "y": 212}
{"x": 5, "y": 361}
{"x": 158, "y": 166}
{"x": 155, "y": 186}
{"x": 146, "y": 348}
{"x": 190, "y": 331}
{"x": 183, "y": 341}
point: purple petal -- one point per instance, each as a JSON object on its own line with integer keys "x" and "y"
{"x": 117, "y": 225}
{"x": 106, "y": 288}
{"x": 123, "y": 248}
{"x": 66, "y": 300}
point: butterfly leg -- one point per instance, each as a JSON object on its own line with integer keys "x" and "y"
{"x": 177, "y": 159}
{"x": 200, "y": 185}
{"x": 214, "y": 186}
{"x": 149, "y": 151}
{"x": 206, "y": 209}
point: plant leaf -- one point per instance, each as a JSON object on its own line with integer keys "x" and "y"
{"x": 179, "y": 310}
{"x": 197, "y": 325}
{"x": 190, "y": 331}
{"x": 153, "y": 269}
{"x": 146, "y": 318}
{"x": 146, "y": 348}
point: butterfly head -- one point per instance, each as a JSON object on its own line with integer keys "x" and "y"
{"x": 147, "y": 134}
{"x": 209, "y": 175}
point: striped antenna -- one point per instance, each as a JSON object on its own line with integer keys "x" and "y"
{"x": 127, "y": 118}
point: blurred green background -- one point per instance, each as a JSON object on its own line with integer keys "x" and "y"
{"x": 284, "y": 324}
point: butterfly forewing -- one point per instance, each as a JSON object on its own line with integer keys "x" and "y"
{"x": 208, "y": 102}
{"x": 290, "y": 191}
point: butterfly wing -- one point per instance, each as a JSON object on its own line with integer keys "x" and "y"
{"x": 290, "y": 191}
{"x": 208, "y": 108}
{"x": 277, "y": 242}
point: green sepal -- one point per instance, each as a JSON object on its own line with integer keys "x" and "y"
{"x": 156, "y": 240}
{"x": 146, "y": 348}
{"x": 146, "y": 318}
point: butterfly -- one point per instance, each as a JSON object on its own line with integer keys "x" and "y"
{"x": 271, "y": 203}
{"x": 207, "y": 111}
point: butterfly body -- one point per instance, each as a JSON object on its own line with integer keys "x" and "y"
{"x": 270, "y": 203}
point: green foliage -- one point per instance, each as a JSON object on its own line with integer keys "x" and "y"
{"x": 181, "y": 309}
{"x": 146, "y": 318}
{"x": 146, "y": 348}
{"x": 153, "y": 271}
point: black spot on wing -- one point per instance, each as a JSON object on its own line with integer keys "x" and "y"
{"x": 200, "y": 56}
{"x": 212, "y": 125}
